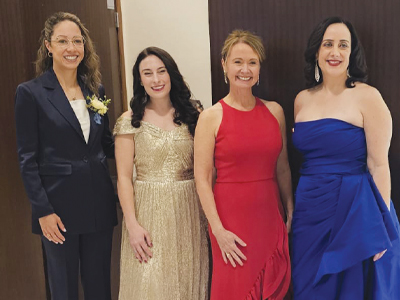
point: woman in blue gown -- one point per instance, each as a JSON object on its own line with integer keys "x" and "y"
{"x": 345, "y": 229}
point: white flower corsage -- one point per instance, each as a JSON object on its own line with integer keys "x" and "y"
{"x": 97, "y": 105}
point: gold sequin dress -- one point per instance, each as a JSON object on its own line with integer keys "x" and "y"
{"x": 168, "y": 207}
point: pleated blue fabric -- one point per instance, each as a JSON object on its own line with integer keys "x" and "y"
{"x": 340, "y": 220}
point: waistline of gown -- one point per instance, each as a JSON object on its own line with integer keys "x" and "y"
{"x": 165, "y": 179}
{"x": 243, "y": 180}
{"x": 342, "y": 168}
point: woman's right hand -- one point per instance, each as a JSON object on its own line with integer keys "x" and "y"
{"x": 51, "y": 225}
{"x": 227, "y": 243}
{"x": 140, "y": 241}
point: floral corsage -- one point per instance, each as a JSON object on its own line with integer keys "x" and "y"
{"x": 97, "y": 105}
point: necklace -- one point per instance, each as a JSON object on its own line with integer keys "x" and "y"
{"x": 76, "y": 89}
{"x": 76, "y": 92}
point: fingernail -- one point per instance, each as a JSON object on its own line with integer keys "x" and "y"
{"x": 65, "y": 230}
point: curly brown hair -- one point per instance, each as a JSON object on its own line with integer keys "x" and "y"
{"x": 89, "y": 67}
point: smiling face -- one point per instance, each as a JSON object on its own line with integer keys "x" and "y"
{"x": 242, "y": 66}
{"x": 154, "y": 77}
{"x": 66, "y": 57}
{"x": 334, "y": 53}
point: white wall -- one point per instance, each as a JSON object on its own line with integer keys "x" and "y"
{"x": 178, "y": 26}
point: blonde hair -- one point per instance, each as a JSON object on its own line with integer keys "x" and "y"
{"x": 89, "y": 67}
{"x": 243, "y": 36}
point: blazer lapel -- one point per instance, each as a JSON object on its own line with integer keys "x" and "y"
{"x": 94, "y": 127}
{"x": 57, "y": 98}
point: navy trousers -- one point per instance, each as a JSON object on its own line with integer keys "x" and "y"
{"x": 88, "y": 253}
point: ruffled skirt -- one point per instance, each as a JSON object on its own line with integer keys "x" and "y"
{"x": 339, "y": 224}
{"x": 251, "y": 211}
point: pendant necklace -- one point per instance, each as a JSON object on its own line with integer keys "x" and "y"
{"x": 76, "y": 92}
{"x": 74, "y": 96}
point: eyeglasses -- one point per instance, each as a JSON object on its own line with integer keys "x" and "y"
{"x": 63, "y": 42}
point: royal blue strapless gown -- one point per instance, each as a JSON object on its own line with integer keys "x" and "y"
{"x": 340, "y": 220}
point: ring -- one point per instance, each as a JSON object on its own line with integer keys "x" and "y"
{"x": 227, "y": 254}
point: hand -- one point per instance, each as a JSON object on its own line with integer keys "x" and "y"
{"x": 227, "y": 243}
{"x": 51, "y": 225}
{"x": 140, "y": 241}
{"x": 379, "y": 255}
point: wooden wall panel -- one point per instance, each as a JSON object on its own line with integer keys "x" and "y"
{"x": 285, "y": 26}
{"x": 20, "y": 250}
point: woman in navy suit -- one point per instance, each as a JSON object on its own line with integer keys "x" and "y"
{"x": 62, "y": 149}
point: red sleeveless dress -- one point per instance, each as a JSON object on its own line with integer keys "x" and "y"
{"x": 246, "y": 194}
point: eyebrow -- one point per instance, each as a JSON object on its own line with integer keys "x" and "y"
{"x": 330, "y": 40}
{"x": 157, "y": 69}
{"x": 61, "y": 35}
{"x": 242, "y": 58}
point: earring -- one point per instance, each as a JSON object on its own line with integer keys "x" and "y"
{"x": 317, "y": 76}
{"x": 225, "y": 78}
{"x": 258, "y": 81}
{"x": 49, "y": 54}
{"x": 348, "y": 73}
{"x": 141, "y": 83}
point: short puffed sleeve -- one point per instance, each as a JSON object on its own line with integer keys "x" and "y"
{"x": 124, "y": 126}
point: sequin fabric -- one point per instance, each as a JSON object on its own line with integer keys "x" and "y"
{"x": 168, "y": 207}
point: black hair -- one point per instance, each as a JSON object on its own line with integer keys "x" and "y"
{"x": 357, "y": 61}
{"x": 180, "y": 94}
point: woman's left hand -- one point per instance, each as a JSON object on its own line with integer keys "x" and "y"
{"x": 379, "y": 255}
{"x": 227, "y": 242}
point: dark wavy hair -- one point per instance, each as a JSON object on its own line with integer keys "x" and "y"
{"x": 88, "y": 69}
{"x": 357, "y": 61}
{"x": 180, "y": 94}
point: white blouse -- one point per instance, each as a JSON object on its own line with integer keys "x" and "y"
{"x": 82, "y": 113}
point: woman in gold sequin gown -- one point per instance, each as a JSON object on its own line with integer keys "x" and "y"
{"x": 164, "y": 251}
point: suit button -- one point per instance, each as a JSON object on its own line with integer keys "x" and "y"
{"x": 85, "y": 159}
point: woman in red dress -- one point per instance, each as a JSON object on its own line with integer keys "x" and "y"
{"x": 243, "y": 138}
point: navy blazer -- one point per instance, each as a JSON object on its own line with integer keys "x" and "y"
{"x": 62, "y": 173}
